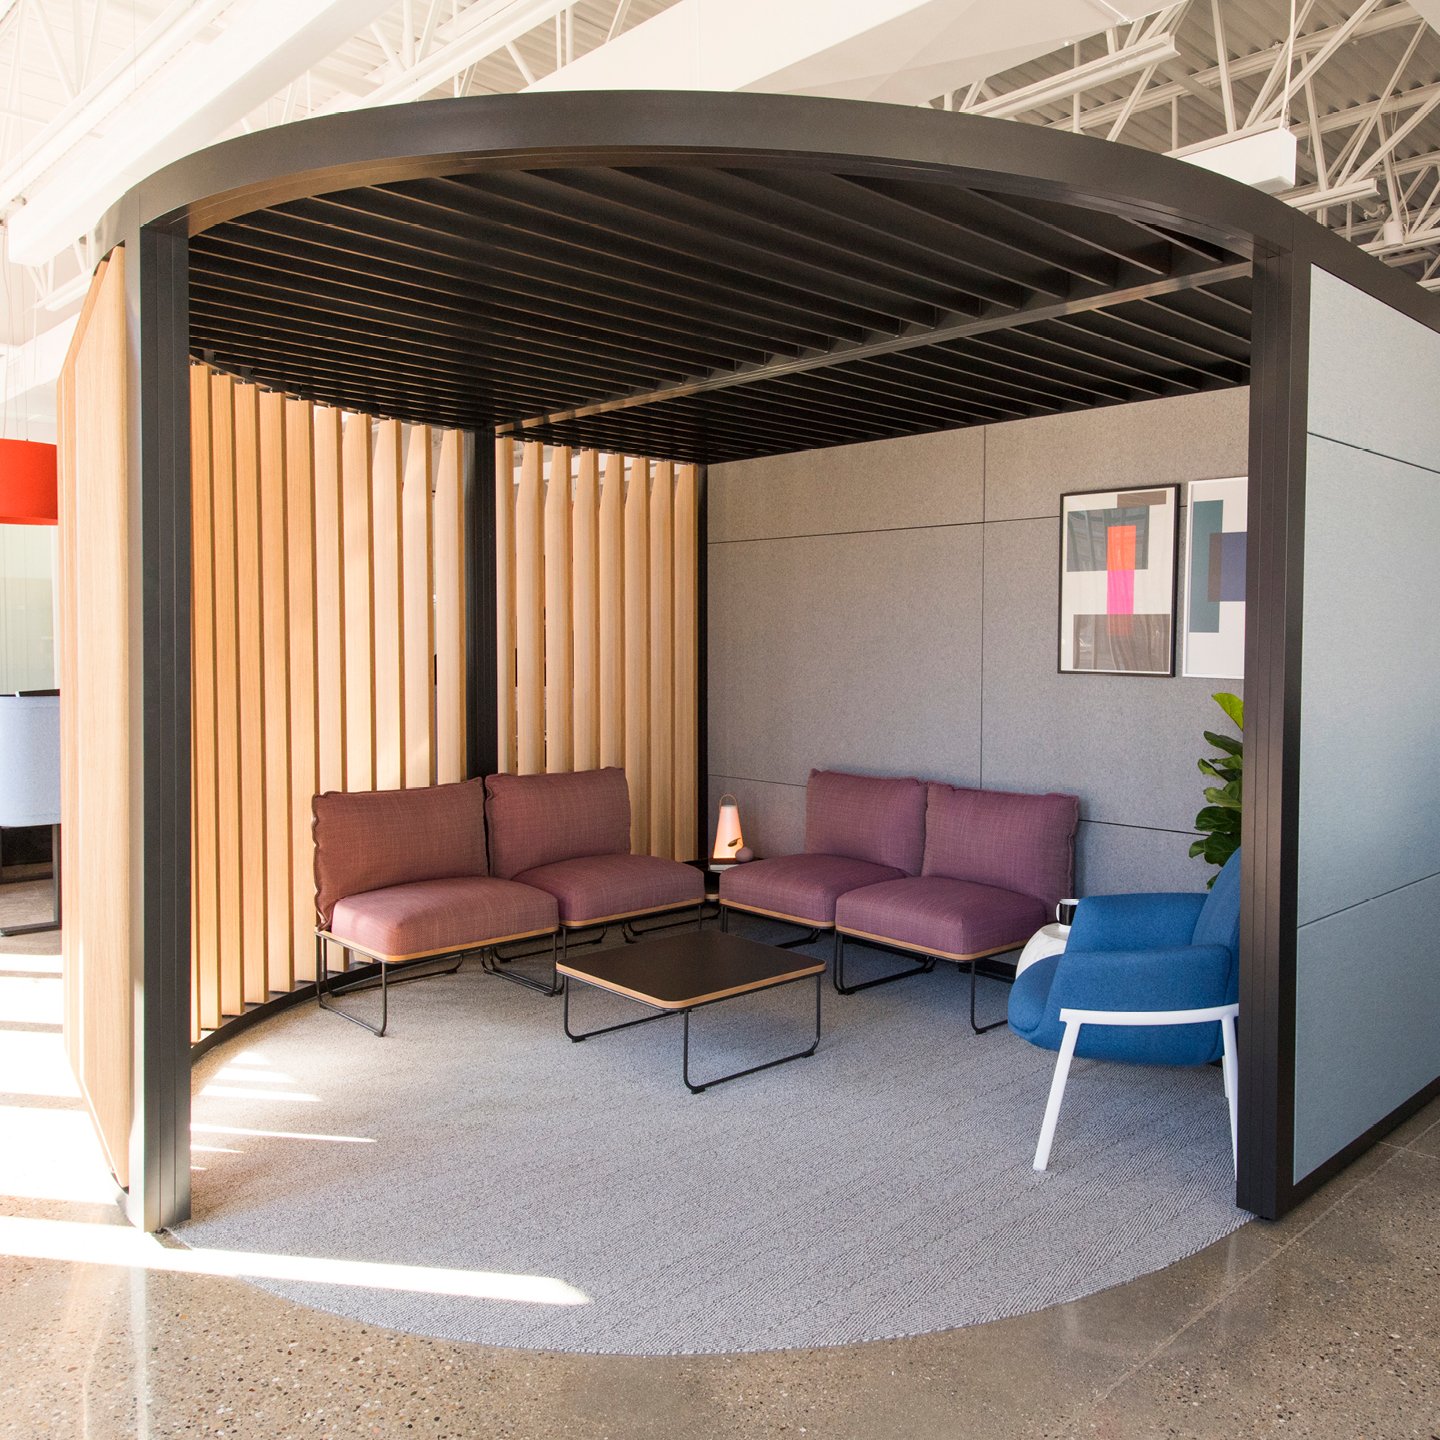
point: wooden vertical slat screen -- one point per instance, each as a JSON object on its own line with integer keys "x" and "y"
{"x": 328, "y": 653}
{"x": 449, "y": 533}
{"x": 597, "y": 627}
{"x": 94, "y": 670}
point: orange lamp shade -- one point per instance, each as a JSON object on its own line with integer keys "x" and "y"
{"x": 27, "y": 483}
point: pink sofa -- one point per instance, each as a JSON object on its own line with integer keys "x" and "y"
{"x": 401, "y": 876}
{"x": 569, "y": 836}
{"x": 936, "y": 871}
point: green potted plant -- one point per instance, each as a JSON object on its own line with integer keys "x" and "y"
{"x": 1219, "y": 821}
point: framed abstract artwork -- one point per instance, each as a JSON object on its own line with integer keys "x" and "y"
{"x": 1214, "y": 627}
{"x": 1117, "y": 581}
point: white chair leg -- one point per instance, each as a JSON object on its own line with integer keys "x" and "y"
{"x": 1057, "y": 1093}
{"x": 1227, "y": 1069}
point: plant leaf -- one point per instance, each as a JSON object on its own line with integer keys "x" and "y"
{"x": 1226, "y": 743}
{"x": 1234, "y": 708}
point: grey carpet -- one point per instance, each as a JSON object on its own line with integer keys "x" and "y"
{"x": 880, "y": 1188}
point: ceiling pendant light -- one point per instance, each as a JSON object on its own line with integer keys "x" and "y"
{"x": 27, "y": 483}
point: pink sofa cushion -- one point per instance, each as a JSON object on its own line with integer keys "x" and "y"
{"x": 803, "y": 887}
{"x": 936, "y": 915}
{"x": 369, "y": 839}
{"x": 437, "y": 915}
{"x": 599, "y": 887}
{"x": 866, "y": 817}
{"x": 1017, "y": 842}
{"x": 538, "y": 819}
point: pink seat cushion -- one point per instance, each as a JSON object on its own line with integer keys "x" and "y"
{"x": 800, "y": 887}
{"x": 940, "y": 916}
{"x": 436, "y": 915}
{"x": 536, "y": 820}
{"x": 605, "y": 887}
{"x": 369, "y": 839}
{"x": 1002, "y": 838}
{"x": 866, "y": 817}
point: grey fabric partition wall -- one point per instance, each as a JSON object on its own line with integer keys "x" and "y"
{"x": 892, "y": 608}
{"x": 1368, "y": 877}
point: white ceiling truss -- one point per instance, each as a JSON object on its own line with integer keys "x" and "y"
{"x": 1356, "y": 81}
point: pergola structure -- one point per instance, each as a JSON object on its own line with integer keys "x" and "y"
{"x": 705, "y": 277}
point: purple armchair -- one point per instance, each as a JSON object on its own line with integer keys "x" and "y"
{"x": 569, "y": 835}
{"x": 995, "y": 865}
{"x": 859, "y": 830}
{"x": 400, "y": 877}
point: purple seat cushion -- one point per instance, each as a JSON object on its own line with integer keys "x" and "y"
{"x": 370, "y": 839}
{"x": 536, "y": 820}
{"x": 606, "y": 887}
{"x": 997, "y": 837}
{"x": 957, "y": 918}
{"x": 864, "y": 817}
{"x": 402, "y": 921}
{"x": 800, "y": 887}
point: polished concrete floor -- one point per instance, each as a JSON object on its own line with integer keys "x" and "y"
{"x": 1327, "y": 1324}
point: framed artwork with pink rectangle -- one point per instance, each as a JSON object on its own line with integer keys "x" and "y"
{"x": 1117, "y": 581}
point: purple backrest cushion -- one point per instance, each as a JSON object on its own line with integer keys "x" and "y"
{"x": 1024, "y": 843}
{"x": 539, "y": 819}
{"x": 866, "y": 817}
{"x": 368, "y": 839}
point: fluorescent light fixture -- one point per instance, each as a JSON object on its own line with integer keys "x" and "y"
{"x": 1104, "y": 71}
{"x": 1263, "y": 158}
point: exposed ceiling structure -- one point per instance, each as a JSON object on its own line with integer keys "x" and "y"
{"x": 96, "y": 93}
{"x": 1357, "y": 82}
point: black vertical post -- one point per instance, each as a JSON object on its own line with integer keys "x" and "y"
{"x": 158, "y": 401}
{"x": 702, "y": 656}
{"x": 1270, "y": 824}
{"x": 481, "y": 739}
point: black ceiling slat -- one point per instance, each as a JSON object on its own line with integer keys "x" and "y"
{"x": 938, "y": 210}
{"x": 893, "y": 377}
{"x": 237, "y": 252}
{"x": 1110, "y": 234}
{"x": 325, "y": 316}
{"x": 1203, "y": 306}
{"x": 633, "y": 264}
{"x": 763, "y": 201}
{"x": 845, "y": 396}
{"x": 996, "y": 369}
{"x": 261, "y": 354}
{"x": 316, "y": 317}
{"x": 1162, "y": 322}
{"x": 1149, "y": 344}
{"x": 596, "y": 204}
{"x": 540, "y": 277}
{"x": 795, "y": 411}
{"x": 906, "y": 373}
{"x": 1051, "y": 350}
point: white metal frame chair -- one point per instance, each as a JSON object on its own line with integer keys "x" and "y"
{"x": 1074, "y": 1019}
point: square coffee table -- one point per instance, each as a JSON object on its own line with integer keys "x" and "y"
{"x": 683, "y": 973}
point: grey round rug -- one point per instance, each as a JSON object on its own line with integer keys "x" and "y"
{"x": 497, "y": 1183}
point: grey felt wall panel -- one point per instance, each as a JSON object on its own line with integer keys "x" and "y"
{"x": 1029, "y": 464}
{"x": 864, "y": 650}
{"x": 858, "y": 651}
{"x": 1373, "y": 375}
{"x": 882, "y": 485}
{"x": 1369, "y": 761}
{"x": 1364, "y": 1018}
{"x": 1367, "y": 983}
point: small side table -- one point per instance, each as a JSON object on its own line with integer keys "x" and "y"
{"x": 1046, "y": 941}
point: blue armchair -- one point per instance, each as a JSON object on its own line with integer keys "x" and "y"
{"x": 1147, "y": 979}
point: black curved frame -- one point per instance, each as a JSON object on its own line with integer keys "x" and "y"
{"x": 157, "y": 218}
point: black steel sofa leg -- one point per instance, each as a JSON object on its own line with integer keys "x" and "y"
{"x": 922, "y": 966}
